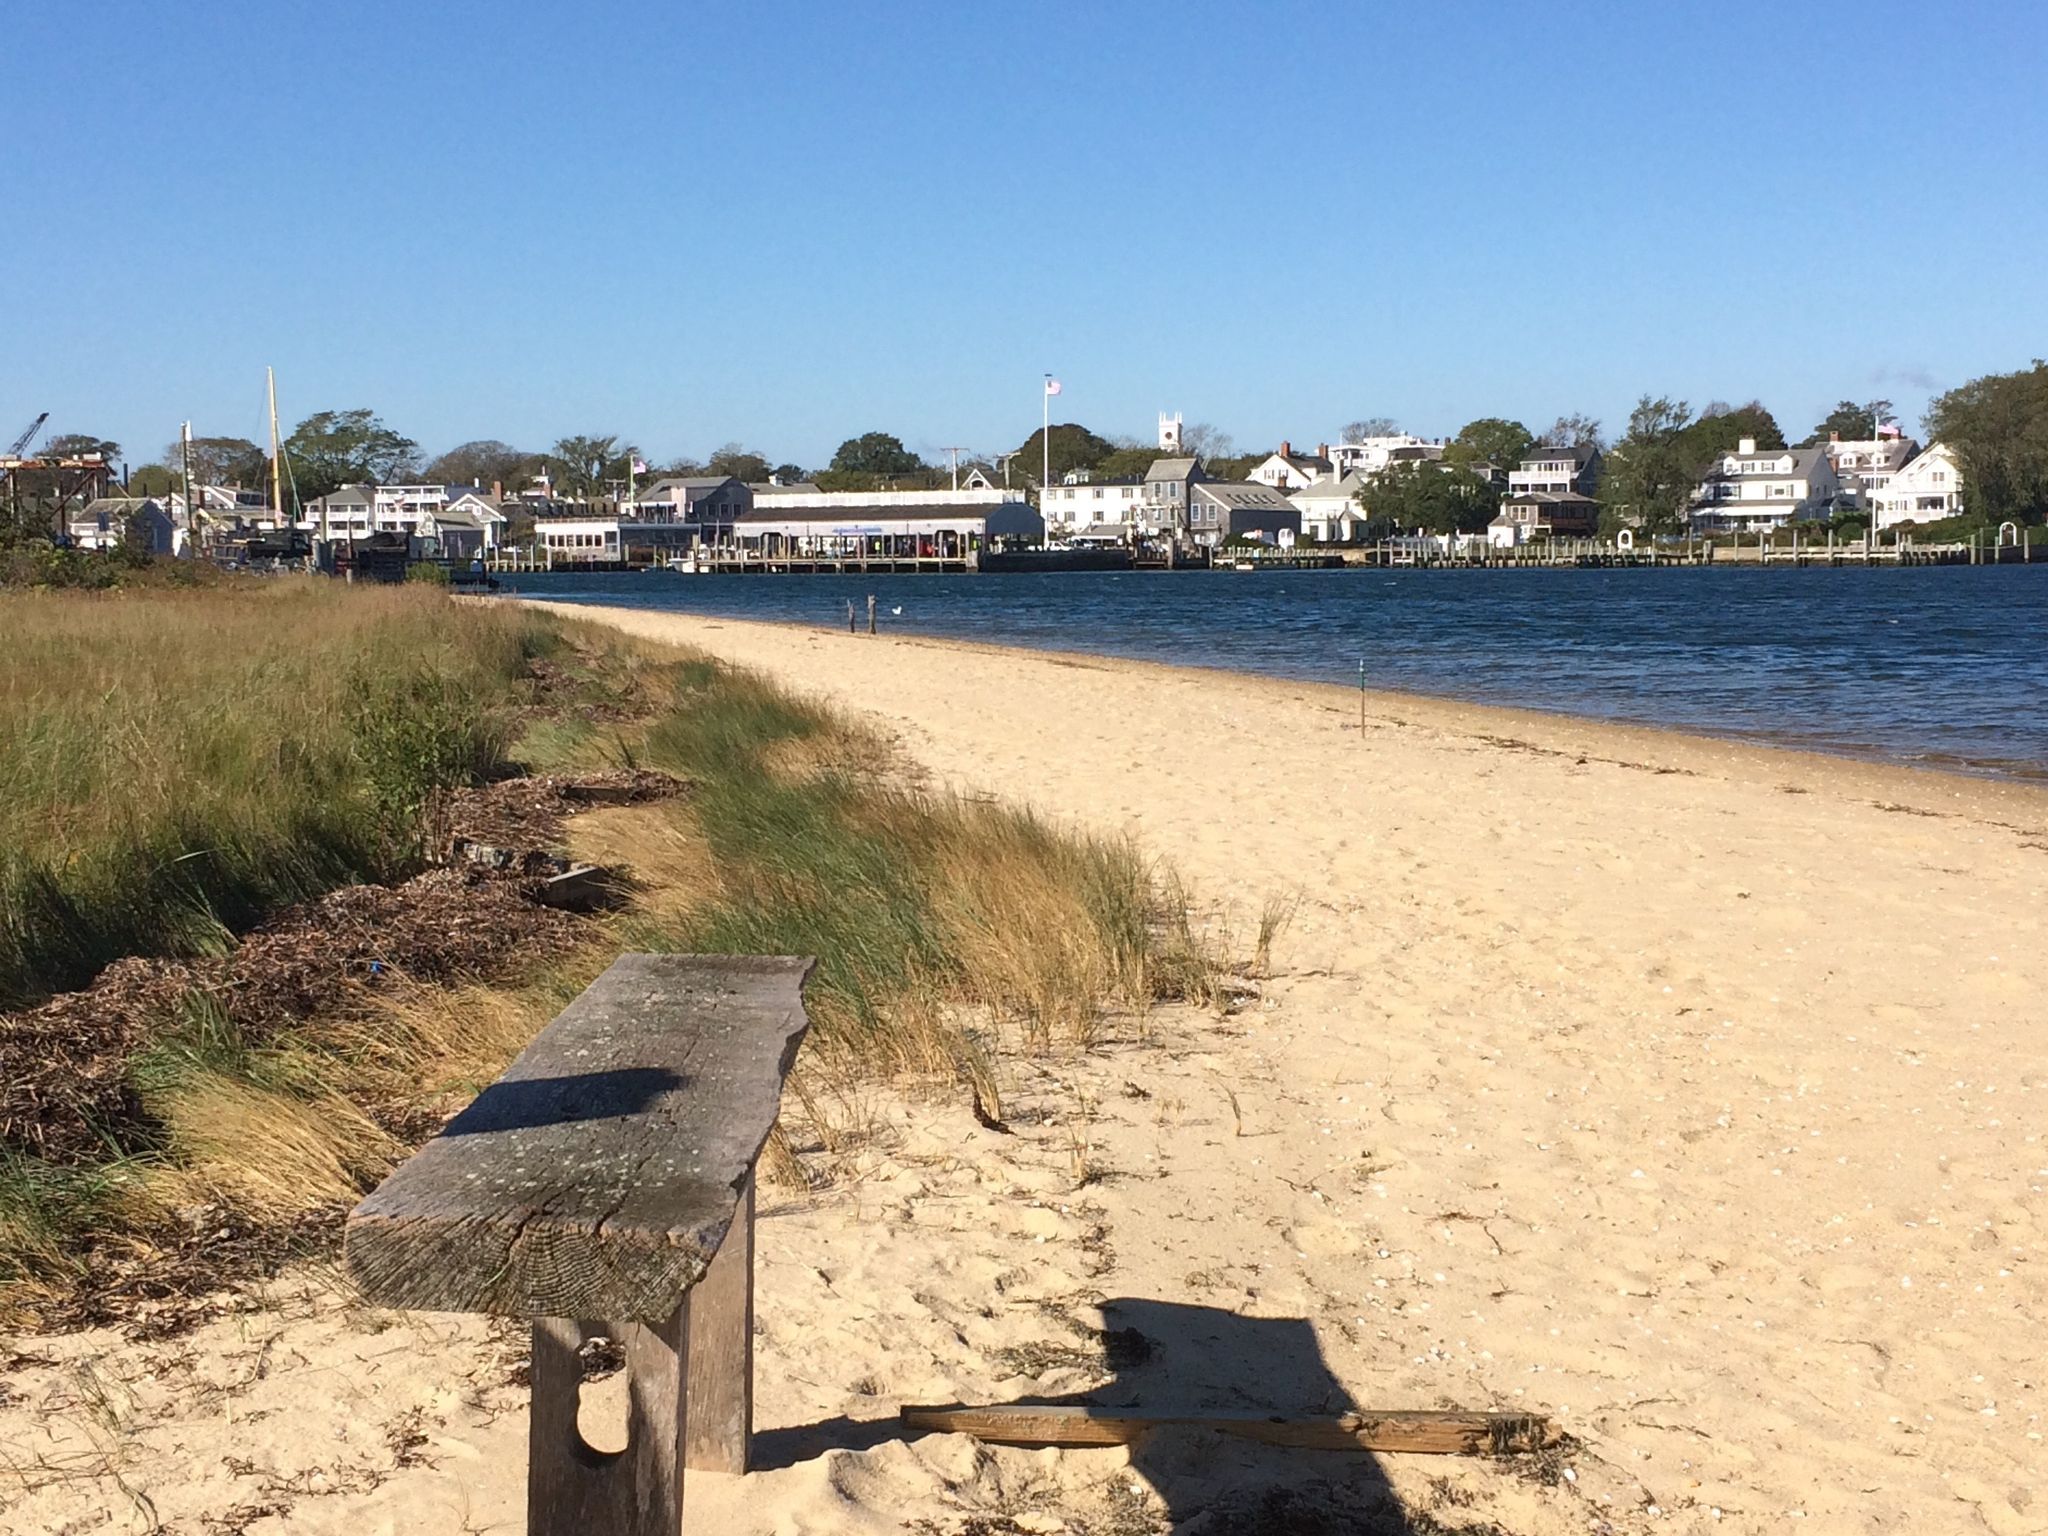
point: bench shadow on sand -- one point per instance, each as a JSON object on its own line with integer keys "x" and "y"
{"x": 1176, "y": 1358}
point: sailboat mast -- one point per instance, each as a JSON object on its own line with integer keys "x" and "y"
{"x": 276, "y": 493}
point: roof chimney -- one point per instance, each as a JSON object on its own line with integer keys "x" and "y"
{"x": 1834, "y": 437}
{"x": 1747, "y": 445}
{"x": 1322, "y": 450}
{"x": 1286, "y": 449}
{"x": 497, "y": 490}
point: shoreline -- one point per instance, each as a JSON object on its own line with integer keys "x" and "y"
{"x": 1667, "y": 748}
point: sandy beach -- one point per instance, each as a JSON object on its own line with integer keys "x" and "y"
{"x": 1686, "y": 1091}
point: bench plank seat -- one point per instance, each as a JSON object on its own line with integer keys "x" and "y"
{"x": 598, "y": 1177}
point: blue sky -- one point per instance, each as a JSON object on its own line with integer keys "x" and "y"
{"x": 790, "y": 223}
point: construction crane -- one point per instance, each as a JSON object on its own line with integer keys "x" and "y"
{"x": 21, "y": 443}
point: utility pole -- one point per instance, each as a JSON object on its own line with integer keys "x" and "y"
{"x": 191, "y": 511}
{"x": 955, "y": 452}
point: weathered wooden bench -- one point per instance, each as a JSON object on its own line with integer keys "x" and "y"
{"x": 604, "y": 1187}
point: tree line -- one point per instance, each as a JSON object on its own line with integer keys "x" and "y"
{"x": 1997, "y": 425}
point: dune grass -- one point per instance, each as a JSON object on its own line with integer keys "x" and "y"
{"x": 177, "y": 765}
{"x": 941, "y": 924}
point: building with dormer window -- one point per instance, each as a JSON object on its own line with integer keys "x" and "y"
{"x": 1754, "y": 489}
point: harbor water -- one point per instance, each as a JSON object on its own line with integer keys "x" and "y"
{"x": 1942, "y": 667}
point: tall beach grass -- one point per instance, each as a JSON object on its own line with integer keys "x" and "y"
{"x": 290, "y": 736}
{"x": 175, "y": 766}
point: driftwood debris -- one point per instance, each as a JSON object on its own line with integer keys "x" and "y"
{"x": 1424, "y": 1431}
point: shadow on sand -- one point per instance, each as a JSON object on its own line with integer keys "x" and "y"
{"x": 1173, "y": 1358}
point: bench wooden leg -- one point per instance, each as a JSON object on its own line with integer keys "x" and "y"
{"x": 572, "y": 1490}
{"x": 721, "y": 1362}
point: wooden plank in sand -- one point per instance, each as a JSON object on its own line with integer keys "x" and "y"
{"x": 1424, "y": 1431}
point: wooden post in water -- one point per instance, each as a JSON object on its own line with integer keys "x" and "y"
{"x": 850, "y": 629}
{"x": 871, "y": 613}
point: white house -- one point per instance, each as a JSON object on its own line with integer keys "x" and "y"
{"x": 476, "y": 507}
{"x": 1330, "y": 510}
{"x": 357, "y": 511}
{"x": 1086, "y": 504}
{"x": 1865, "y": 468}
{"x": 1753, "y": 489}
{"x": 1924, "y": 491}
{"x": 1373, "y": 454}
{"x": 1291, "y": 471}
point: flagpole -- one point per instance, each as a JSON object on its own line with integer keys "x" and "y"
{"x": 1045, "y": 443}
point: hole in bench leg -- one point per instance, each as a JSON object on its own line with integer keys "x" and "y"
{"x": 603, "y": 1395}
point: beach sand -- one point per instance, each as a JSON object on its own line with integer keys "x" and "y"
{"x": 1687, "y": 1091}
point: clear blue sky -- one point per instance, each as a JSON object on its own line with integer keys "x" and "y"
{"x": 790, "y": 223}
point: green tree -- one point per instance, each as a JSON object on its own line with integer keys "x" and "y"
{"x": 330, "y": 449}
{"x": 1491, "y": 438}
{"x": 485, "y": 462}
{"x": 155, "y": 480}
{"x": 1853, "y": 423}
{"x": 1650, "y": 476}
{"x": 582, "y": 466}
{"x": 1073, "y": 447}
{"x": 1436, "y": 497}
{"x": 1997, "y": 426}
{"x": 219, "y": 461}
{"x": 78, "y": 445}
{"x": 1721, "y": 427}
{"x": 788, "y": 474}
{"x": 1124, "y": 463}
{"x": 740, "y": 462}
{"x": 875, "y": 453}
{"x": 1575, "y": 430}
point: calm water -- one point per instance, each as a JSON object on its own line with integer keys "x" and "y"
{"x": 1945, "y": 667}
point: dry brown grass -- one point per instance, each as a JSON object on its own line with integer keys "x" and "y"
{"x": 271, "y": 1152}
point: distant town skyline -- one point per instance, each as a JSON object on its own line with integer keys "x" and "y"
{"x": 787, "y": 225}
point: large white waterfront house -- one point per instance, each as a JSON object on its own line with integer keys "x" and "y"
{"x": 1924, "y": 491}
{"x": 1370, "y": 455}
{"x": 1752, "y": 489}
{"x": 423, "y": 511}
{"x": 1864, "y": 468}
